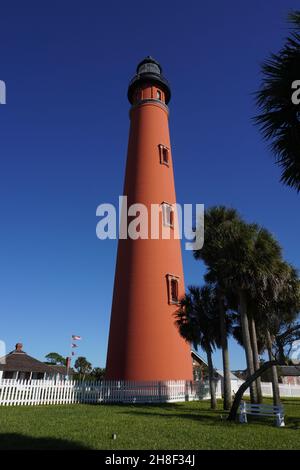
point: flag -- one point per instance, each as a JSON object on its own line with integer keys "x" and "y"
{"x": 73, "y": 354}
{"x": 76, "y": 338}
{"x": 74, "y": 345}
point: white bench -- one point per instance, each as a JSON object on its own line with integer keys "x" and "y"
{"x": 262, "y": 410}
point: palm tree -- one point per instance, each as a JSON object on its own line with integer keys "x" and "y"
{"x": 83, "y": 366}
{"x": 228, "y": 241}
{"x": 257, "y": 259}
{"x": 257, "y": 338}
{"x": 217, "y": 222}
{"x": 197, "y": 323}
{"x": 288, "y": 333}
{"x": 255, "y": 352}
{"x": 266, "y": 300}
{"x": 241, "y": 258}
{"x": 279, "y": 120}
{"x": 277, "y": 320}
{"x": 278, "y": 304}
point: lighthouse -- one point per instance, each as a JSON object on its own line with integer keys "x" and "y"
{"x": 144, "y": 342}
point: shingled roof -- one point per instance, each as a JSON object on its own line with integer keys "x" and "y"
{"x": 18, "y": 360}
{"x": 62, "y": 370}
{"x": 289, "y": 371}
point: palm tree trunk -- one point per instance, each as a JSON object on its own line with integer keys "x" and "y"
{"x": 239, "y": 394}
{"x": 253, "y": 337}
{"x": 281, "y": 355}
{"x": 247, "y": 344}
{"x": 212, "y": 383}
{"x": 275, "y": 386}
{"x": 225, "y": 356}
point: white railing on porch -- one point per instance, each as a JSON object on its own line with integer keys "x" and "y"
{"x": 46, "y": 392}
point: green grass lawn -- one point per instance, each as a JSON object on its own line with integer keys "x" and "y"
{"x": 170, "y": 426}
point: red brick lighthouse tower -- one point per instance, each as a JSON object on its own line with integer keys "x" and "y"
{"x": 144, "y": 343}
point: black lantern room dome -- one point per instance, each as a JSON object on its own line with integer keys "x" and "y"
{"x": 149, "y": 71}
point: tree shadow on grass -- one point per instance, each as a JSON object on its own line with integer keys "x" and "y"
{"x": 290, "y": 401}
{"x": 213, "y": 418}
{"x": 15, "y": 441}
{"x": 292, "y": 422}
{"x": 219, "y": 418}
{"x": 210, "y": 417}
{"x": 170, "y": 410}
{"x": 162, "y": 405}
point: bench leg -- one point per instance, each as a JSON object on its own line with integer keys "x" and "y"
{"x": 280, "y": 420}
{"x": 243, "y": 413}
{"x": 243, "y": 417}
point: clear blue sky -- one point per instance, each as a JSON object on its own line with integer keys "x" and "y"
{"x": 63, "y": 139}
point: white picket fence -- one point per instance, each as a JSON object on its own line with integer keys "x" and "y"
{"x": 285, "y": 390}
{"x": 51, "y": 392}
{"x": 47, "y": 392}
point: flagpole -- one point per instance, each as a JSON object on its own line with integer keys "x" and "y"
{"x": 72, "y": 345}
{"x": 70, "y": 358}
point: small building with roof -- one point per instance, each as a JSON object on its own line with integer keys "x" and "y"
{"x": 18, "y": 365}
{"x": 289, "y": 374}
{"x": 200, "y": 371}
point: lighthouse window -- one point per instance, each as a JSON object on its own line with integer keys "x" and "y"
{"x": 164, "y": 155}
{"x": 173, "y": 294}
{"x": 158, "y": 95}
{"x": 174, "y": 290}
{"x": 168, "y": 214}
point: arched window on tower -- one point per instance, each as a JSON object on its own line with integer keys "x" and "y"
{"x": 158, "y": 95}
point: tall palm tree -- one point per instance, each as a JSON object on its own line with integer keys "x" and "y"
{"x": 225, "y": 252}
{"x": 197, "y": 322}
{"x": 278, "y": 304}
{"x": 279, "y": 118}
{"x": 266, "y": 299}
{"x": 255, "y": 352}
{"x": 241, "y": 258}
{"x": 217, "y": 221}
{"x": 257, "y": 258}
{"x": 258, "y": 340}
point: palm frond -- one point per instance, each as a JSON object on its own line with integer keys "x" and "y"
{"x": 279, "y": 120}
